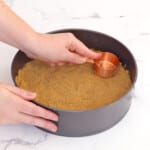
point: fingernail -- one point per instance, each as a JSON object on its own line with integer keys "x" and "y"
{"x": 99, "y": 54}
{"x": 54, "y": 118}
{"x": 82, "y": 60}
{"x": 33, "y": 94}
{"x": 54, "y": 129}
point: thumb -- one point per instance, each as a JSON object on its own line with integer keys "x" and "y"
{"x": 27, "y": 95}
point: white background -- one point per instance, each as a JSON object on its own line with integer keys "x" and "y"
{"x": 129, "y": 22}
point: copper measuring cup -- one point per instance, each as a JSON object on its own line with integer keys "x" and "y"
{"x": 106, "y": 66}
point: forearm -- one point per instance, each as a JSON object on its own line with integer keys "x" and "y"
{"x": 13, "y": 30}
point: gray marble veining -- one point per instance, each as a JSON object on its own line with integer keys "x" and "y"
{"x": 129, "y": 22}
{"x": 16, "y": 141}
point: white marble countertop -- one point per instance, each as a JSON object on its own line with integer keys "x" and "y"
{"x": 129, "y": 22}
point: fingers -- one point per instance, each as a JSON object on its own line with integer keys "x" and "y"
{"x": 78, "y": 47}
{"x": 20, "y": 92}
{"x": 60, "y": 63}
{"x": 23, "y": 111}
{"x": 37, "y": 116}
{"x": 36, "y": 121}
{"x": 34, "y": 110}
{"x": 56, "y": 64}
{"x": 74, "y": 58}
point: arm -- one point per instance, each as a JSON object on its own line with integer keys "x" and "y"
{"x": 13, "y": 30}
{"x": 16, "y": 32}
{"x": 15, "y": 105}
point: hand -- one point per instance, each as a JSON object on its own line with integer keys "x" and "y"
{"x": 55, "y": 49}
{"x": 15, "y": 108}
{"x": 61, "y": 48}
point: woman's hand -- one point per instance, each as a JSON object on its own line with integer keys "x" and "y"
{"x": 60, "y": 48}
{"x": 15, "y": 108}
{"x": 55, "y": 49}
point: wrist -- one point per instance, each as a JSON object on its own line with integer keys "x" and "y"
{"x": 30, "y": 44}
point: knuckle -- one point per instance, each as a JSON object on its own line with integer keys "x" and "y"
{"x": 45, "y": 114}
{"x": 34, "y": 110}
{"x": 45, "y": 124}
{"x": 41, "y": 112}
{"x": 32, "y": 121}
{"x": 38, "y": 111}
{"x": 70, "y": 35}
{"x": 40, "y": 122}
{"x": 26, "y": 119}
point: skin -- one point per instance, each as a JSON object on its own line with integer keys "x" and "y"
{"x": 16, "y": 32}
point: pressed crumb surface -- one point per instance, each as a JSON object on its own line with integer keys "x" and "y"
{"x": 72, "y": 87}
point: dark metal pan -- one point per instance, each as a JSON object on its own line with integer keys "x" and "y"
{"x": 88, "y": 122}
